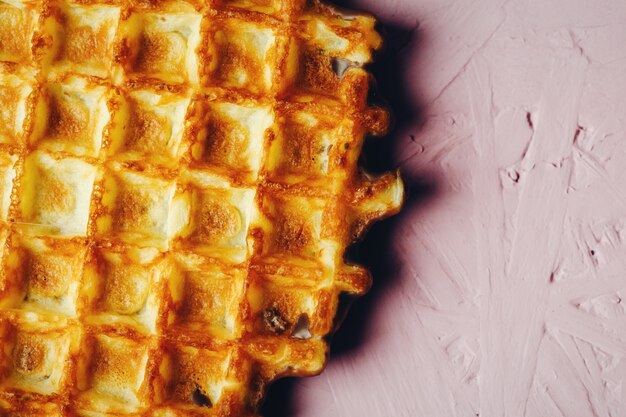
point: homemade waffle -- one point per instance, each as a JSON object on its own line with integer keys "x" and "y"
{"x": 179, "y": 183}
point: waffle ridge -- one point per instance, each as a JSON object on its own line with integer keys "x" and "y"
{"x": 179, "y": 181}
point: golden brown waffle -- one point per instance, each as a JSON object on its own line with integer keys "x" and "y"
{"x": 179, "y": 182}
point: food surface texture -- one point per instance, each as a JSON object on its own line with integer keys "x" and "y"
{"x": 179, "y": 182}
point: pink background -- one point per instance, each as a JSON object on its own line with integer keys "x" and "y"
{"x": 499, "y": 289}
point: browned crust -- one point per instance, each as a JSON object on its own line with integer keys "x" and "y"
{"x": 247, "y": 290}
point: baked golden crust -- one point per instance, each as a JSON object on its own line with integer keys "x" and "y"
{"x": 179, "y": 181}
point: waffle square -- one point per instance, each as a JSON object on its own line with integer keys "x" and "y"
{"x": 48, "y": 272}
{"x": 18, "y": 21}
{"x": 76, "y": 114}
{"x": 218, "y": 217}
{"x": 115, "y": 373}
{"x": 56, "y": 194}
{"x": 84, "y": 38}
{"x": 208, "y": 299}
{"x": 179, "y": 181}
{"x": 246, "y": 54}
{"x": 282, "y": 306}
{"x": 162, "y": 45}
{"x": 234, "y": 137}
{"x": 151, "y": 128}
{"x": 310, "y": 146}
{"x": 294, "y": 226}
{"x": 37, "y": 362}
{"x": 199, "y": 376}
{"x": 136, "y": 207}
{"x": 126, "y": 287}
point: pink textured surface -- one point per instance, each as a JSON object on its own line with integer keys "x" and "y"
{"x": 500, "y": 289}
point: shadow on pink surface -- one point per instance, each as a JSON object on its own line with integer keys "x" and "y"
{"x": 375, "y": 252}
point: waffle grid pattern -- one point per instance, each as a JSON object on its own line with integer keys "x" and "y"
{"x": 179, "y": 182}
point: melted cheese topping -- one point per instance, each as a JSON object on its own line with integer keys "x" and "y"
{"x": 208, "y": 298}
{"x": 118, "y": 369}
{"x": 324, "y": 35}
{"x": 126, "y": 288}
{"x": 336, "y": 38}
{"x": 17, "y": 23}
{"x": 77, "y": 114}
{"x": 276, "y": 310}
{"x": 57, "y": 193}
{"x": 235, "y": 137}
{"x": 38, "y": 361}
{"x": 7, "y": 175}
{"x": 52, "y": 274}
{"x": 218, "y": 219}
{"x": 246, "y": 54}
{"x": 164, "y": 45}
{"x": 138, "y": 208}
{"x": 122, "y": 287}
{"x": 85, "y": 39}
{"x": 34, "y": 409}
{"x": 129, "y": 282}
{"x": 14, "y": 91}
{"x": 263, "y": 6}
{"x": 198, "y": 371}
{"x": 309, "y": 147}
{"x": 153, "y": 128}
{"x": 294, "y": 226}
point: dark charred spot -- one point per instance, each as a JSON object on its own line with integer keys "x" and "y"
{"x": 274, "y": 321}
{"x": 199, "y": 398}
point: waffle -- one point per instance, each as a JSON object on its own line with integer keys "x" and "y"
{"x": 179, "y": 183}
